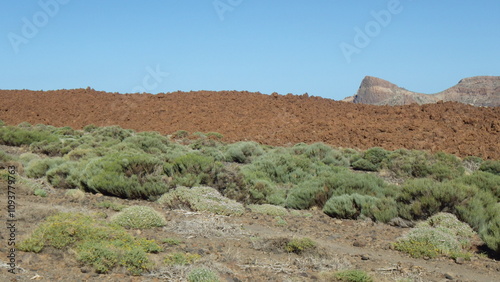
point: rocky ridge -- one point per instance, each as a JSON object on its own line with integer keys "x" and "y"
{"x": 481, "y": 91}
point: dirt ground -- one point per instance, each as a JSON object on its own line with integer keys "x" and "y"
{"x": 242, "y": 248}
{"x": 269, "y": 119}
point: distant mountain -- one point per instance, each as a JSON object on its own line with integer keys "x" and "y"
{"x": 477, "y": 91}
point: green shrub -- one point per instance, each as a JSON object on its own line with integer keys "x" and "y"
{"x": 98, "y": 255}
{"x": 128, "y": 175}
{"x": 4, "y": 157}
{"x": 40, "y": 193}
{"x": 299, "y": 246}
{"x": 484, "y": 181}
{"x": 51, "y": 148}
{"x": 96, "y": 243}
{"x": 346, "y": 182}
{"x": 243, "y": 152}
{"x": 353, "y": 276}
{"x": 2, "y": 123}
{"x": 75, "y": 194}
{"x": 264, "y": 191}
{"x": 111, "y": 132}
{"x": 201, "y": 199}
{"x": 215, "y": 135}
{"x": 90, "y": 128}
{"x": 38, "y": 167}
{"x": 111, "y": 205}
{"x": 202, "y": 275}
{"x": 67, "y": 132}
{"x": 375, "y": 156}
{"x": 193, "y": 169}
{"x": 482, "y": 213}
{"x": 136, "y": 261}
{"x": 323, "y": 153}
{"x": 354, "y": 206}
{"x": 65, "y": 175}
{"x": 449, "y": 222}
{"x": 268, "y": 209}
{"x": 26, "y": 158}
{"x": 279, "y": 166}
{"x": 307, "y": 194}
{"x": 17, "y": 136}
{"x": 139, "y": 217}
{"x": 149, "y": 142}
{"x": 179, "y": 134}
{"x": 440, "y": 166}
{"x": 490, "y": 232}
{"x": 363, "y": 164}
{"x": 422, "y": 198}
{"x": 491, "y": 167}
{"x": 172, "y": 241}
{"x": 181, "y": 258}
{"x": 442, "y": 234}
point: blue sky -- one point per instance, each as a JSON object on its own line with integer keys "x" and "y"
{"x": 254, "y": 45}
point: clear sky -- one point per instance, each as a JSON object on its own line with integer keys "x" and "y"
{"x": 322, "y": 47}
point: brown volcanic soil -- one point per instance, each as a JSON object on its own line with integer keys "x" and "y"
{"x": 270, "y": 119}
{"x": 245, "y": 248}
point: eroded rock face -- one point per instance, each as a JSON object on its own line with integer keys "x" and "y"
{"x": 476, "y": 91}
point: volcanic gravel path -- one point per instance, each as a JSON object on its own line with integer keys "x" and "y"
{"x": 269, "y": 119}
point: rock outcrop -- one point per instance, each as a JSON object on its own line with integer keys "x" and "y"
{"x": 477, "y": 91}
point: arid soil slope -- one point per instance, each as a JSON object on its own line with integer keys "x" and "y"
{"x": 270, "y": 119}
{"x": 476, "y": 91}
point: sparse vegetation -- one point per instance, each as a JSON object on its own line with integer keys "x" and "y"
{"x": 181, "y": 258}
{"x": 201, "y": 173}
{"x": 202, "y": 275}
{"x": 299, "y": 246}
{"x": 268, "y": 209}
{"x": 97, "y": 243}
{"x": 111, "y": 205}
{"x": 40, "y": 193}
{"x": 172, "y": 241}
{"x": 75, "y": 194}
{"x": 353, "y": 276}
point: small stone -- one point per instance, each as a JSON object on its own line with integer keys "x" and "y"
{"x": 460, "y": 260}
{"x": 449, "y": 276}
{"x": 365, "y": 257}
{"x": 358, "y": 244}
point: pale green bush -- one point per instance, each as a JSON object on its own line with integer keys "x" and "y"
{"x": 140, "y": 217}
{"x": 268, "y": 209}
{"x": 201, "y": 199}
{"x": 441, "y": 234}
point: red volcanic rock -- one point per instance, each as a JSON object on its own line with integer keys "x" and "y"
{"x": 270, "y": 119}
